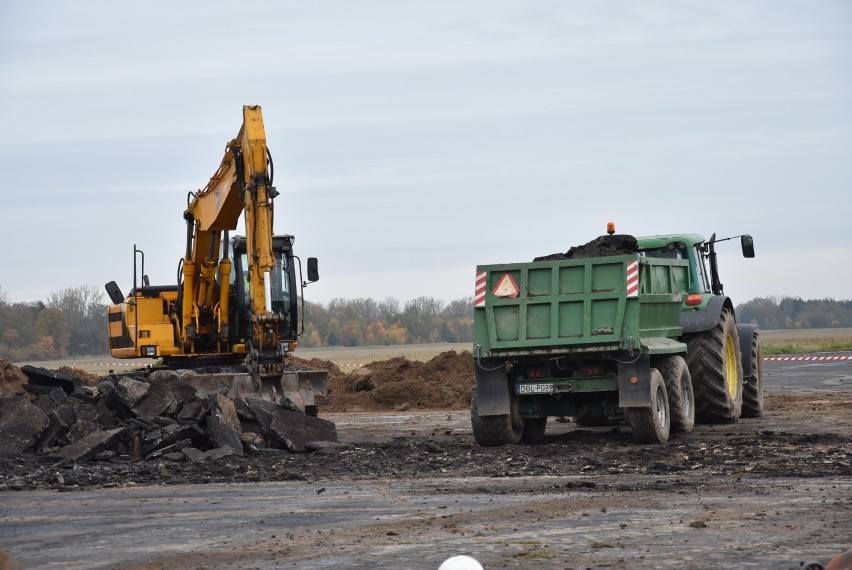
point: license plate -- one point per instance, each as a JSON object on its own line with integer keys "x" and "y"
{"x": 545, "y": 388}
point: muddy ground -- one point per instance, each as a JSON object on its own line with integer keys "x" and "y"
{"x": 761, "y": 493}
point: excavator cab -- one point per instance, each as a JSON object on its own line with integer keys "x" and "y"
{"x": 282, "y": 299}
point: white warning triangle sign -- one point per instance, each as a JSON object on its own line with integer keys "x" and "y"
{"x": 506, "y": 287}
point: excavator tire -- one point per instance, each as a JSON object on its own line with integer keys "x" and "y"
{"x": 534, "y": 429}
{"x": 717, "y": 371}
{"x": 753, "y": 383}
{"x": 652, "y": 424}
{"x": 494, "y": 431}
{"x": 678, "y": 382}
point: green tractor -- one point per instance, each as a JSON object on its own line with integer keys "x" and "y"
{"x": 723, "y": 357}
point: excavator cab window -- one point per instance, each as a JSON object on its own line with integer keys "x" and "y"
{"x": 280, "y": 287}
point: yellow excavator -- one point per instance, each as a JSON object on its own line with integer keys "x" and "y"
{"x": 233, "y": 316}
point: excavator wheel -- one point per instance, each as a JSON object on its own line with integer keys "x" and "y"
{"x": 753, "y": 383}
{"x": 681, "y": 396}
{"x": 717, "y": 371}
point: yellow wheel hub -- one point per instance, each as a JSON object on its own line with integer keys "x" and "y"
{"x": 731, "y": 380}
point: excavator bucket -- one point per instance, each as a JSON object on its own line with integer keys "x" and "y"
{"x": 301, "y": 387}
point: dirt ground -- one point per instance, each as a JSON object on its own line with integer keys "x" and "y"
{"x": 770, "y": 492}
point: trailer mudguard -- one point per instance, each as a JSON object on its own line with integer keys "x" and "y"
{"x": 634, "y": 382}
{"x": 747, "y": 334}
{"x": 700, "y": 321}
{"x": 492, "y": 388}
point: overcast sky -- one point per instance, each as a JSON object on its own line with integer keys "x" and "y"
{"x": 414, "y": 140}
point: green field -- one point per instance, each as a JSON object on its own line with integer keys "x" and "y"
{"x": 798, "y": 341}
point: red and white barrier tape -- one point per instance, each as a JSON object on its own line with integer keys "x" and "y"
{"x": 807, "y": 358}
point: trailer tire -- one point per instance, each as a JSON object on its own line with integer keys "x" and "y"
{"x": 716, "y": 367}
{"x": 494, "y": 431}
{"x": 652, "y": 424}
{"x": 678, "y": 382}
{"x": 753, "y": 382}
{"x": 534, "y": 429}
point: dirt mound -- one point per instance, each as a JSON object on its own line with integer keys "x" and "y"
{"x": 86, "y": 378}
{"x": 11, "y": 377}
{"x": 444, "y": 382}
{"x": 603, "y": 246}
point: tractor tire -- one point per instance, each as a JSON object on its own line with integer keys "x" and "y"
{"x": 716, "y": 368}
{"x": 494, "y": 431}
{"x": 652, "y": 424}
{"x": 678, "y": 383}
{"x": 534, "y": 429}
{"x": 753, "y": 383}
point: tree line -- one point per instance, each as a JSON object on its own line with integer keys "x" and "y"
{"x": 72, "y": 321}
{"x": 367, "y": 322}
{"x": 774, "y": 313}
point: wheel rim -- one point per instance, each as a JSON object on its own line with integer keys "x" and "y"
{"x": 685, "y": 396}
{"x": 662, "y": 410}
{"x": 731, "y": 379}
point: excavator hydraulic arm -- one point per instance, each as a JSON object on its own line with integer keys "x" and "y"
{"x": 241, "y": 185}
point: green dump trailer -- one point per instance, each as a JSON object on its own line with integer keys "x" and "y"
{"x": 605, "y": 339}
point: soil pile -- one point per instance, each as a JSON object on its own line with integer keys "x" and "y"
{"x": 443, "y": 383}
{"x": 603, "y": 246}
{"x": 11, "y": 377}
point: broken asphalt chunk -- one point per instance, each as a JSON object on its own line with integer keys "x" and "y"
{"x": 89, "y": 446}
{"x": 21, "y": 423}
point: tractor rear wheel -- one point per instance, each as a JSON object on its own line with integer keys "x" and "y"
{"x": 678, "y": 382}
{"x": 494, "y": 431}
{"x": 717, "y": 371}
{"x": 652, "y": 424}
{"x": 753, "y": 383}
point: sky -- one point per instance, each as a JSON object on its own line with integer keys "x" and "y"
{"x": 415, "y": 140}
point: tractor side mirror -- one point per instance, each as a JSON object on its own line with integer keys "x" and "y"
{"x": 114, "y": 293}
{"x": 313, "y": 269}
{"x": 748, "y": 246}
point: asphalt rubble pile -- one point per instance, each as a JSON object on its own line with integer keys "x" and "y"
{"x": 58, "y": 418}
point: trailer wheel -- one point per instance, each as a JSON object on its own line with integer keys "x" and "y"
{"x": 678, "y": 382}
{"x": 534, "y": 429}
{"x": 652, "y": 424}
{"x": 717, "y": 371}
{"x": 753, "y": 382}
{"x": 494, "y": 431}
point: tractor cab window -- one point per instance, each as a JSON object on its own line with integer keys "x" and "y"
{"x": 662, "y": 253}
{"x": 702, "y": 267}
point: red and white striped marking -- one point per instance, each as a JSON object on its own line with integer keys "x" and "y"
{"x": 632, "y": 278}
{"x": 806, "y": 358}
{"x": 479, "y": 292}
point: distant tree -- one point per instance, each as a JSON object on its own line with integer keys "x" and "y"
{"x": 85, "y": 313}
{"x": 51, "y": 323}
